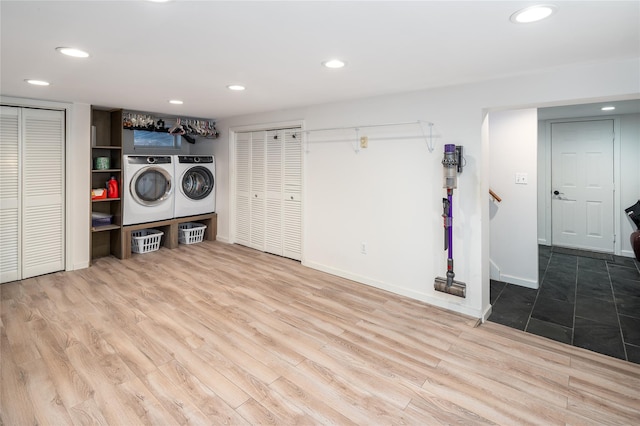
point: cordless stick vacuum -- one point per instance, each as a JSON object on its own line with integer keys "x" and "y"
{"x": 452, "y": 163}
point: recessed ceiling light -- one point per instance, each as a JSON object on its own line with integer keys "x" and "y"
{"x": 37, "y": 82}
{"x": 607, "y": 108}
{"x": 533, "y": 14}
{"x": 176, "y": 102}
{"x": 334, "y": 63}
{"x": 236, "y": 87}
{"x": 71, "y": 51}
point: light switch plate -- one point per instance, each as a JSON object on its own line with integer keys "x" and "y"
{"x": 521, "y": 178}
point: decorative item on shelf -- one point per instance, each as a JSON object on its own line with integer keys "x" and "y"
{"x": 102, "y": 163}
{"x": 98, "y": 194}
{"x": 112, "y": 188}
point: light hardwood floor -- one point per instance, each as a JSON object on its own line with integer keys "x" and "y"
{"x": 221, "y": 334}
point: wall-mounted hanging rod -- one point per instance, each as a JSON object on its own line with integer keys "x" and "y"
{"x": 428, "y": 137}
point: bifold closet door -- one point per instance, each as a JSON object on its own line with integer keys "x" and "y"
{"x": 9, "y": 194}
{"x": 32, "y": 192}
{"x": 292, "y": 194}
{"x": 269, "y": 190}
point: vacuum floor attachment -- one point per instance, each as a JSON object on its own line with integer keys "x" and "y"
{"x": 456, "y": 288}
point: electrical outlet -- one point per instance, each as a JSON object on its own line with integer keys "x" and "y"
{"x": 364, "y": 141}
{"x": 363, "y": 248}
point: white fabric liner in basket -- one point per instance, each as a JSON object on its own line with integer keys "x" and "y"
{"x": 191, "y": 232}
{"x": 145, "y": 240}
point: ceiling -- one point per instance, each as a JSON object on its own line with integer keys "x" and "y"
{"x": 143, "y": 54}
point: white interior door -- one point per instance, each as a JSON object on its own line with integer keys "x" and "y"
{"x": 582, "y": 185}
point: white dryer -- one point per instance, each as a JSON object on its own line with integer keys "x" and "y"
{"x": 148, "y": 188}
{"x": 195, "y": 181}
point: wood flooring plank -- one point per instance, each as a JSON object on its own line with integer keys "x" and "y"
{"x": 205, "y": 399}
{"x": 114, "y": 405}
{"x": 314, "y": 407}
{"x": 181, "y": 409}
{"x": 20, "y": 313}
{"x": 16, "y": 407}
{"x": 252, "y": 385}
{"x": 256, "y": 414}
{"x": 432, "y": 409}
{"x": 87, "y": 413}
{"x": 47, "y": 404}
{"x": 71, "y": 386}
{"x": 144, "y": 403}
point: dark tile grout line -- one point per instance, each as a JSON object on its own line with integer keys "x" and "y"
{"x": 575, "y": 301}
{"x": 615, "y": 305}
{"x": 533, "y": 306}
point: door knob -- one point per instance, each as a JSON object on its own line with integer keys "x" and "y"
{"x": 556, "y": 192}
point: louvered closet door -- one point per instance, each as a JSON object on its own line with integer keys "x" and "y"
{"x": 42, "y": 192}
{"x": 258, "y": 186}
{"x": 9, "y": 194}
{"x": 243, "y": 188}
{"x": 273, "y": 218}
{"x": 292, "y": 201}
{"x": 269, "y": 190}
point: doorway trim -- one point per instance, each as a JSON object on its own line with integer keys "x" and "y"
{"x": 545, "y": 189}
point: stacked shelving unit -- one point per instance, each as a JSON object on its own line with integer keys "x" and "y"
{"x": 107, "y": 128}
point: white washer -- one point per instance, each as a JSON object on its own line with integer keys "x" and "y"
{"x": 148, "y": 188}
{"x": 195, "y": 181}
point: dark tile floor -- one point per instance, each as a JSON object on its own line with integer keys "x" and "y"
{"x": 585, "y": 299}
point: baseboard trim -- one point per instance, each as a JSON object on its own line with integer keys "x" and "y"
{"x": 523, "y": 282}
{"x": 487, "y": 314}
{"x": 76, "y": 266}
{"x": 627, "y": 253}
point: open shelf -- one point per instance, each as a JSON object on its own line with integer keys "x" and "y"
{"x": 104, "y": 228}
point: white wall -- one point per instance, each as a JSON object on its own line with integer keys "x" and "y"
{"x": 626, "y": 170}
{"x": 389, "y": 195}
{"x": 513, "y": 145}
